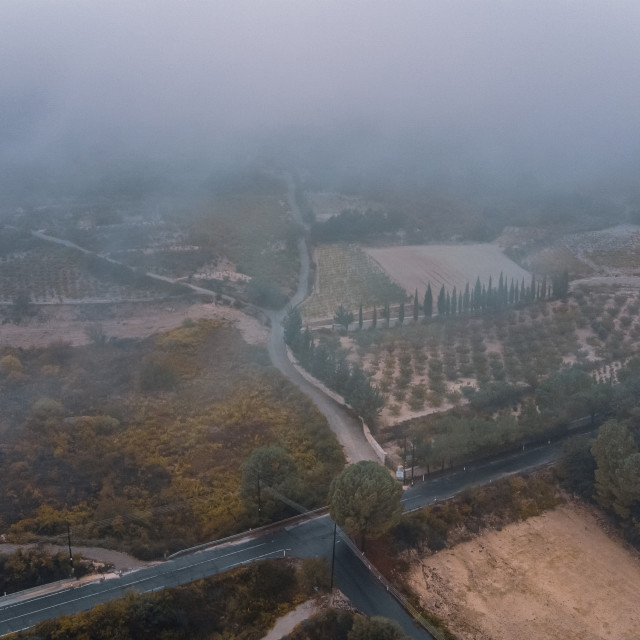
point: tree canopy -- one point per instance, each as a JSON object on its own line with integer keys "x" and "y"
{"x": 343, "y": 317}
{"x": 617, "y": 476}
{"x": 365, "y": 500}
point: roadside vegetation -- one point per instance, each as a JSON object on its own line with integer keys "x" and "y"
{"x": 141, "y": 444}
{"x": 335, "y": 624}
{"x": 243, "y": 603}
{"x": 32, "y": 567}
{"x": 492, "y": 506}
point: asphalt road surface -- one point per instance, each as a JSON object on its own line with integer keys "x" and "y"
{"x": 445, "y": 486}
{"x": 310, "y": 538}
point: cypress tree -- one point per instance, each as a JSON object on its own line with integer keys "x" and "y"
{"x": 477, "y": 295}
{"x": 454, "y": 302}
{"x": 428, "y": 304}
{"x": 360, "y": 317}
{"x": 401, "y": 314}
{"x": 466, "y": 300}
{"x": 416, "y": 307}
{"x": 374, "y": 322}
{"x": 532, "y": 290}
{"x": 442, "y": 300}
{"x": 565, "y": 283}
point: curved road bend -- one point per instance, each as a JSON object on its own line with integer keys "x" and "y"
{"x": 347, "y": 428}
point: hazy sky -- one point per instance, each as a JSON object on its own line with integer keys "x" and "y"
{"x": 540, "y": 83}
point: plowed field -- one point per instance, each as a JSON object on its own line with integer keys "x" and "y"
{"x": 414, "y": 267}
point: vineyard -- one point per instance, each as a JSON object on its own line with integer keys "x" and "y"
{"x": 348, "y": 276}
{"x": 414, "y": 267}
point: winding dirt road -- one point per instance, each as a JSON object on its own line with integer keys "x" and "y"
{"x": 347, "y": 428}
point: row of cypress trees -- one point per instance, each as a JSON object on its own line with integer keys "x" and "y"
{"x": 479, "y": 298}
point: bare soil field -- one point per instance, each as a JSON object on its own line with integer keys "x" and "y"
{"x": 414, "y": 267}
{"x": 69, "y": 323}
{"x": 558, "y": 575}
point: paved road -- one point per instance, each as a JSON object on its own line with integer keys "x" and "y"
{"x": 310, "y": 538}
{"x": 347, "y": 428}
{"x": 445, "y": 486}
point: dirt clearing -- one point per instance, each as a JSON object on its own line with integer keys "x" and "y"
{"x": 558, "y": 575}
{"x": 69, "y": 323}
{"x": 449, "y": 265}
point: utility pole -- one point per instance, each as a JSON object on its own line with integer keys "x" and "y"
{"x": 413, "y": 455}
{"x": 333, "y": 555}
{"x": 69, "y": 543}
{"x": 259, "y": 502}
{"x": 404, "y": 462}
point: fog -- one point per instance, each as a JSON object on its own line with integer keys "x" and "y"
{"x": 543, "y": 92}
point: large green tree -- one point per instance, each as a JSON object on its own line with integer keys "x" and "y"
{"x": 617, "y": 475}
{"x": 365, "y": 500}
{"x": 427, "y": 305}
{"x": 267, "y": 467}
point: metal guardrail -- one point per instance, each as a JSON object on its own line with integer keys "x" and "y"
{"x": 251, "y": 532}
{"x": 48, "y": 585}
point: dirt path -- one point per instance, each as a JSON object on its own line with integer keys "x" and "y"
{"x": 347, "y": 428}
{"x": 120, "y": 561}
{"x": 68, "y": 323}
{"x": 559, "y": 575}
{"x": 286, "y": 623}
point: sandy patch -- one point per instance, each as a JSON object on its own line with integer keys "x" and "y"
{"x": 124, "y": 320}
{"x": 559, "y": 575}
{"x": 286, "y": 623}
